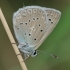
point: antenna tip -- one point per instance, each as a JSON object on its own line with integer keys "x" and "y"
{"x": 54, "y": 56}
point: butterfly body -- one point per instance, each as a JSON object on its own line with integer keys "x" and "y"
{"x": 27, "y": 50}
{"x": 32, "y": 25}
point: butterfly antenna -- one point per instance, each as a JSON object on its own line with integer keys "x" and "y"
{"x": 23, "y": 4}
{"x": 48, "y": 54}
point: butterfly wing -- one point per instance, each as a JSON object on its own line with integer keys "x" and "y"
{"x": 53, "y": 18}
{"x": 29, "y": 24}
{"x": 32, "y": 24}
{"x": 19, "y": 31}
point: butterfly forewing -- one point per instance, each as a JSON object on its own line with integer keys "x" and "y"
{"x": 30, "y": 25}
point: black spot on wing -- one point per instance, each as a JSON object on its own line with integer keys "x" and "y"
{"x": 29, "y": 20}
{"x": 26, "y": 23}
{"x": 33, "y": 18}
{"x": 39, "y": 25}
{"x": 17, "y": 28}
{"x": 37, "y": 18}
{"x": 51, "y": 22}
{"x": 35, "y": 39}
{"x": 25, "y": 33}
{"x": 49, "y": 19}
{"x": 21, "y": 23}
{"x": 29, "y": 34}
{"x": 41, "y": 30}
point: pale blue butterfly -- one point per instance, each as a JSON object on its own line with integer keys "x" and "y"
{"x": 32, "y": 25}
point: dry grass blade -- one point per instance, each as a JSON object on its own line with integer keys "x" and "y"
{"x": 4, "y": 22}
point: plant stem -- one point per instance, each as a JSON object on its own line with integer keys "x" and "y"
{"x": 10, "y": 36}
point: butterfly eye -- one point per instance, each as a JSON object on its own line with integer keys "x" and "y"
{"x": 35, "y": 52}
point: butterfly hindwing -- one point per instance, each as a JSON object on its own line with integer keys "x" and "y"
{"x": 53, "y": 17}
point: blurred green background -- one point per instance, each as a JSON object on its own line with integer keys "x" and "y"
{"x": 58, "y": 42}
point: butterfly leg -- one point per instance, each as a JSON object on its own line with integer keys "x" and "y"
{"x": 26, "y": 56}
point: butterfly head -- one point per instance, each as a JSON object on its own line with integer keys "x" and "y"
{"x": 34, "y": 53}
{"x": 27, "y": 50}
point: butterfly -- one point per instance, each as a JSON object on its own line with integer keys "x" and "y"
{"x": 32, "y": 25}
